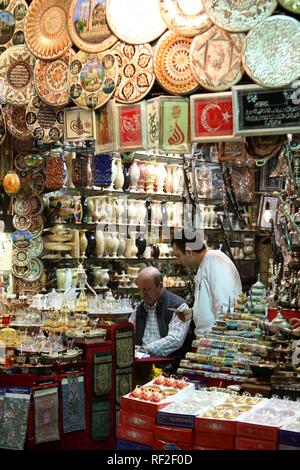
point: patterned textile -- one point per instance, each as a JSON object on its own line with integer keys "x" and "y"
{"x": 73, "y": 403}
{"x": 124, "y": 348}
{"x": 102, "y": 373}
{"x": 100, "y": 420}
{"x": 13, "y": 425}
{"x": 46, "y": 415}
{"x": 123, "y": 383}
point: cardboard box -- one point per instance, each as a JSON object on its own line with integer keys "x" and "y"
{"x": 175, "y": 419}
{"x": 290, "y": 438}
{"x": 204, "y": 448}
{"x": 140, "y": 436}
{"x": 215, "y": 426}
{"x": 128, "y": 445}
{"x": 243, "y": 443}
{"x": 258, "y": 431}
{"x": 167, "y": 445}
{"x": 168, "y": 434}
{"x": 137, "y": 420}
{"x": 215, "y": 441}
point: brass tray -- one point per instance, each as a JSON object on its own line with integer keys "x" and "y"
{"x": 135, "y": 21}
{"x": 172, "y": 64}
{"x": 12, "y": 19}
{"x": 136, "y": 71}
{"x": 88, "y": 26}
{"x": 15, "y": 121}
{"x": 44, "y": 122}
{"x": 46, "y": 31}
{"x": 185, "y": 18}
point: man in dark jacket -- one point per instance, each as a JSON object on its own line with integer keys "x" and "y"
{"x": 158, "y": 329}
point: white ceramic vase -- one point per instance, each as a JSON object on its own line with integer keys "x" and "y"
{"x": 83, "y": 243}
{"x": 169, "y": 180}
{"x": 161, "y": 174}
{"x": 122, "y": 245}
{"x": 175, "y": 179}
{"x": 116, "y": 243}
{"x": 108, "y": 244}
{"x": 134, "y": 173}
{"x": 119, "y": 181}
{"x": 99, "y": 243}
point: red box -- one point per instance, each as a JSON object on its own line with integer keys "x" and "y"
{"x": 204, "y": 448}
{"x": 243, "y": 443}
{"x": 168, "y": 434}
{"x": 216, "y": 426}
{"x": 131, "y": 405}
{"x": 266, "y": 433}
{"x": 216, "y": 441}
{"x": 162, "y": 445}
{"x": 136, "y": 420}
{"x": 129, "y": 433}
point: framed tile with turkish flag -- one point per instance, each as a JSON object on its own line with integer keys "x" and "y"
{"x": 211, "y": 117}
{"x": 131, "y": 126}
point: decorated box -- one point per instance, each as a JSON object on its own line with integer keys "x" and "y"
{"x": 131, "y": 126}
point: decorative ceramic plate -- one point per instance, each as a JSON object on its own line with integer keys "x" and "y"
{"x": 29, "y": 162}
{"x": 12, "y": 19}
{"x": 36, "y": 226}
{"x": 46, "y": 31}
{"x": 36, "y": 247}
{"x": 21, "y": 257}
{"x": 185, "y": 18}
{"x": 21, "y": 271}
{"x": 44, "y": 122}
{"x": 216, "y": 59}
{"x": 88, "y": 26}
{"x": 22, "y": 206}
{"x": 24, "y": 146}
{"x": 52, "y": 79}
{"x": 21, "y": 239}
{"x": 16, "y": 72}
{"x": 36, "y": 269}
{"x": 2, "y": 126}
{"x": 21, "y": 222}
{"x": 34, "y": 186}
{"x": 172, "y": 64}
{"x": 135, "y": 21}
{"x": 290, "y": 5}
{"x": 238, "y": 15}
{"x": 92, "y": 79}
{"x": 136, "y": 71}
{"x": 37, "y": 206}
{"x": 271, "y": 52}
{"x": 15, "y": 121}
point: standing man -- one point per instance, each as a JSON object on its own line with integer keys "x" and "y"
{"x": 218, "y": 282}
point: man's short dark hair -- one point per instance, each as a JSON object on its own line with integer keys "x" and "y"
{"x": 188, "y": 239}
{"x": 158, "y": 278}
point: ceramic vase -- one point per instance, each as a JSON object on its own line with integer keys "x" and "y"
{"x": 102, "y": 214}
{"x": 75, "y": 253}
{"x": 97, "y": 277}
{"x": 134, "y": 176}
{"x": 108, "y": 244}
{"x": 142, "y": 179}
{"x": 120, "y": 210}
{"x": 68, "y": 159}
{"x": 180, "y": 176}
{"x": 131, "y": 211}
{"x": 91, "y": 247}
{"x": 114, "y": 171}
{"x": 119, "y": 180}
{"x": 212, "y": 216}
{"x": 175, "y": 188}
{"x": 96, "y": 210}
{"x": 116, "y": 242}
{"x": 60, "y": 279}
{"x": 99, "y": 243}
{"x": 126, "y": 172}
{"x": 170, "y": 212}
{"x": 169, "y": 180}
{"x": 161, "y": 174}
{"x": 129, "y": 247}
{"x": 122, "y": 245}
{"x": 104, "y": 277}
{"x": 141, "y": 212}
{"x": 150, "y": 178}
{"x": 83, "y": 243}
{"x": 109, "y": 210}
{"x": 141, "y": 244}
{"x": 90, "y": 210}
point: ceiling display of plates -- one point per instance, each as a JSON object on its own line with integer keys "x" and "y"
{"x": 271, "y": 52}
{"x": 46, "y": 31}
{"x": 216, "y": 59}
{"x": 92, "y": 78}
{"x": 15, "y": 121}
{"x": 172, "y": 64}
{"x": 135, "y": 21}
{"x": 12, "y": 19}
{"x": 238, "y": 15}
{"x": 88, "y": 26}
{"x": 52, "y": 79}
{"x": 36, "y": 269}
{"x": 16, "y": 73}
{"x": 44, "y": 122}
{"x": 136, "y": 71}
{"x": 290, "y": 5}
{"x": 185, "y": 18}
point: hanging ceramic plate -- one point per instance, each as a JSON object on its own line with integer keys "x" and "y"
{"x": 44, "y": 122}
{"x": 16, "y": 72}
{"x": 22, "y": 206}
{"x": 135, "y": 21}
{"x": 36, "y": 226}
{"x": 34, "y": 186}
{"x": 185, "y": 18}
{"x": 21, "y": 257}
{"x": 36, "y": 269}
{"x": 216, "y": 59}
{"x": 21, "y": 271}
{"x": 52, "y": 80}
{"x": 21, "y": 222}
{"x": 29, "y": 162}
{"x": 92, "y": 79}
{"x": 24, "y": 146}
{"x": 88, "y": 26}
{"x": 136, "y": 71}
{"x": 36, "y": 247}
{"x": 15, "y": 121}
{"x": 12, "y": 19}
{"x": 37, "y": 206}
{"x": 2, "y": 126}
{"x": 21, "y": 239}
{"x": 172, "y": 64}
{"x": 290, "y": 5}
{"x": 238, "y": 15}
{"x": 271, "y": 52}
{"x": 46, "y": 31}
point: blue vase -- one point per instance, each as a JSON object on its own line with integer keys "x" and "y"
{"x": 101, "y": 170}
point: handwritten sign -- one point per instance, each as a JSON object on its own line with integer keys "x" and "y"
{"x": 262, "y": 111}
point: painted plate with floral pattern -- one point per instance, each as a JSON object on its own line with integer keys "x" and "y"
{"x": 34, "y": 186}
{"x": 12, "y": 19}
{"x": 21, "y": 257}
{"x": 21, "y": 222}
{"x": 20, "y": 271}
{"x": 185, "y": 18}
{"x": 15, "y": 121}
{"x": 135, "y": 21}
{"x": 16, "y": 73}
{"x": 22, "y": 206}
{"x": 36, "y": 247}
{"x": 43, "y": 121}
{"x": 46, "y": 31}
{"x": 172, "y": 64}
{"x": 136, "y": 71}
{"x": 238, "y": 15}
{"x": 36, "y": 226}
{"x": 37, "y": 206}
{"x": 88, "y": 26}
{"x": 92, "y": 78}
{"x": 36, "y": 269}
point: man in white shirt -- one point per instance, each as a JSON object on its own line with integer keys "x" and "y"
{"x": 218, "y": 282}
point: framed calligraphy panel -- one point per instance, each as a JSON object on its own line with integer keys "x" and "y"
{"x": 131, "y": 126}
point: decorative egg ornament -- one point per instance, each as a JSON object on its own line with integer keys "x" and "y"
{"x": 11, "y": 183}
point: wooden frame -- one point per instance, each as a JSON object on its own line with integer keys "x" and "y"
{"x": 131, "y": 126}
{"x": 80, "y": 124}
{"x": 258, "y": 109}
{"x": 216, "y": 106}
{"x": 106, "y": 128}
{"x": 266, "y": 183}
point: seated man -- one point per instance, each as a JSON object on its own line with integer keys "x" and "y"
{"x": 158, "y": 329}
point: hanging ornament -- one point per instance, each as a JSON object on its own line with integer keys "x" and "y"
{"x": 11, "y": 183}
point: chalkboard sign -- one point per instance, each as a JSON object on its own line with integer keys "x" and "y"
{"x": 262, "y": 111}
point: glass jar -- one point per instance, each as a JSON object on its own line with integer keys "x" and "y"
{"x": 55, "y": 169}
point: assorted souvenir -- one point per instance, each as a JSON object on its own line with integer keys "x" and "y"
{"x": 44, "y": 122}
{"x": 12, "y": 19}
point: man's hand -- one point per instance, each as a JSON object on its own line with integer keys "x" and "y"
{"x": 184, "y": 313}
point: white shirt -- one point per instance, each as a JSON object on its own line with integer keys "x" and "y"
{"x": 217, "y": 281}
